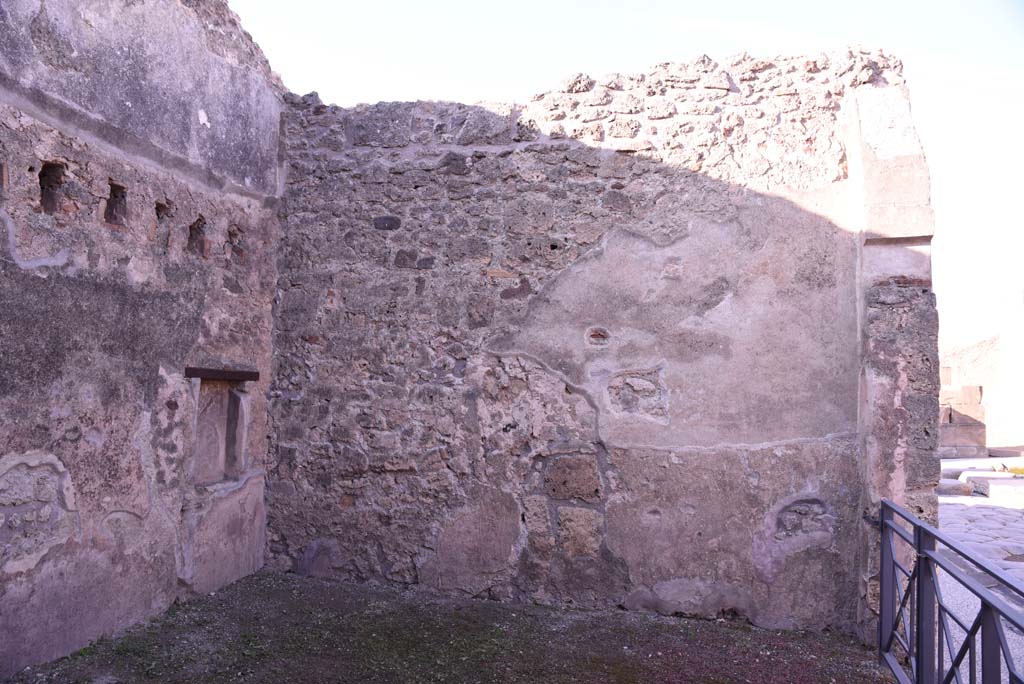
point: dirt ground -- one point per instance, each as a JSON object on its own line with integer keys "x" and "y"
{"x": 280, "y": 628}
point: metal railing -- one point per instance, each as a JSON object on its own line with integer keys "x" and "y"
{"x": 920, "y": 638}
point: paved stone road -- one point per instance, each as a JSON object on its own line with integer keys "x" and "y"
{"x": 995, "y": 533}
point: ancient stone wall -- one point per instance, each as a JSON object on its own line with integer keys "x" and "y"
{"x": 644, "y": 341}
{"x": 658, "y": 340}
{"x": 134, "y": 242}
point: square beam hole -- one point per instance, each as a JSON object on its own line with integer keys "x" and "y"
{"x": 51, "y": 181}
{"x": 116, "y": 212}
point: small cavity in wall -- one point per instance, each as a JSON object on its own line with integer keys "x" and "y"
{"x": 116, "y": 213}
{"x": 164, "y": 210}
{"x": 197, "y": 242}
{"x": 51, "y": 182}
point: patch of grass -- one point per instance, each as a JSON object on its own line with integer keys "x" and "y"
{"x": 131, "y": 647}
{"x": 92, "y": 649}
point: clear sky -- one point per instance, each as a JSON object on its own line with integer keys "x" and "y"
{"x": 964, "y": 62}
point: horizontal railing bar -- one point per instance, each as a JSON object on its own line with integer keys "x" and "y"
{"x": 989, "y": 598}
{"x": 905, "y": 534}
{"x": 952, "y": 545}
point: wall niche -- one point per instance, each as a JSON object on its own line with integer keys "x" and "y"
{"x": 222, "y": 416}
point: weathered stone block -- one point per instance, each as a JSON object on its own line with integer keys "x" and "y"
{"x": 899, "y": 221}
{"x": 962, "y": 435}
{"x": 475, "y": 546}
{"x": 225, "y": 534}
{"x": 580, "y": 531}
{"x": 573, "y": 477}
{"x": 966, "y": 414}
{"x": 964, "y": 395}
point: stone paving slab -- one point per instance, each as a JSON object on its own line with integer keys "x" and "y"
{"x": 996, "y": 534}
{"x": 993, "y": 532}
{"x": 954, "y": 467}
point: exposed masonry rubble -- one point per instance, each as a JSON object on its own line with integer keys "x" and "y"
{"x": 603, "y": 348}
{"x": 658, "y": 340}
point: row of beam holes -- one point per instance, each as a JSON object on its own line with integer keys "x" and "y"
{"x": 51, "y": 179}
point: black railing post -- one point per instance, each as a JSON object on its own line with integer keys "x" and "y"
{"x": 926, "y": 609}
{"x": 887, "y": 580}
{"x": 991, "y": 650}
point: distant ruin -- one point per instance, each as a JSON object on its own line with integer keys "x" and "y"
{"x": 656, "y": 340}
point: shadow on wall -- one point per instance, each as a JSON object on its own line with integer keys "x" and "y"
{"x": 660, "y": 341}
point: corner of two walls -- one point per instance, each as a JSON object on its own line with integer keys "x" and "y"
{"x": 137, "y": 234}
{"x": 898, "y": 320}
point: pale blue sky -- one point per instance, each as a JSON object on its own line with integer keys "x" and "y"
{"x": 964, "y": 62}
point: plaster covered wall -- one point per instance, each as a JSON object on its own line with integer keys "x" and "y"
{"x": 631, "y": 343}
{"x": 120, "y": 265}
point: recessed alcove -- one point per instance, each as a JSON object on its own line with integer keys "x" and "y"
{"x": 221, "y": 424}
